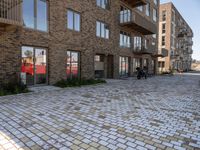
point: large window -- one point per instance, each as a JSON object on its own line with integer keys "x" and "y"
{"x": 103, "y": 4}
{"x": 102, "y": 30}
{"x": 123, "y": 66}
{"x": 33, "y": 65}
{"x": 125, "y": 14}
{"x": 35, "y": 14}
{"x": 137, "y": 43}
{"x": 148, "y": 9}
{"x": 136, "y": 63}
{"x": 125, "y": 39}
{"x": 73, "y": 20}
{"x": 154, "y": 15}
{"x": 73, "y": 64}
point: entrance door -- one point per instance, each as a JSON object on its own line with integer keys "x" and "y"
{"x": 40, "y": 66}
{"x": 110, "y": 67}
{"x": 34, "y": 66}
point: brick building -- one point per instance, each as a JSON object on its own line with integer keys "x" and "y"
{"x": 175, "y": 35}
{"x": 43, "y": 41}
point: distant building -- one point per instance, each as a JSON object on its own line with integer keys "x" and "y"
{"x": 175, "y": 35}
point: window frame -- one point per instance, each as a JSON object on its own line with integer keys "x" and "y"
{"x": 107, "y": 7}
{"x": 74, "y": 20}
{"x": 148, "y": 8}
{"x": 155, "y": 15}
{"x": 35, "y": 15}
{"x": 78, "y": 63}
{"x": 106, "y": 28}
{"x": 125, "y": 36}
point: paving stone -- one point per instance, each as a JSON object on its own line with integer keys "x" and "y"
{"x": 157, "y": 113}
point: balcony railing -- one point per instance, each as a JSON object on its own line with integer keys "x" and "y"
{"x": 10, "y": 12}
{"x": 149, "y": 49}
{"x": 137, "y": 22}
{"x": 189, "y": 42}
{"x": 135, "y": 3}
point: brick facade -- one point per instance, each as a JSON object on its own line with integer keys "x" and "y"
{"x": 58, "y": 40}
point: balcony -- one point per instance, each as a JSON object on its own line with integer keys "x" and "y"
{"x": 149, "y": 49}
{"x": 175, "y": 55}
{"x": 138, "y": 23}
{"x": 188, "y": 51}
{"x": 190, "y": 34}
{"x": 135, "y": 3}
{"x": 10, "y": 13}
{"x": 162, "y": 53}
{"x": 189, "y": 43}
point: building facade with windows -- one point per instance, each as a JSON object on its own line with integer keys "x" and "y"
{"x": 175, "y": 35}
{"x": 44, "y": 41}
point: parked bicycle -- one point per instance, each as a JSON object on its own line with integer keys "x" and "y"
{"x": 141, "y": 73}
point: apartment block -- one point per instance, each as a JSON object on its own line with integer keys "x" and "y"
{"x": 175, "y": 35}
{"x": 44, "y": 41}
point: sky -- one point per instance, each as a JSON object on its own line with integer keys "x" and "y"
{"x": 190, "y": 10}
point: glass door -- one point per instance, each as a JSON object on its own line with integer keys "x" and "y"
{"x": 27, "y": 65}
{"x": 40, "y": 66}
{"x": 34, "y": 66}
{"x": 73, "y": 64}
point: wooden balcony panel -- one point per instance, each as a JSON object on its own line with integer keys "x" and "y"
{"x": 139, "y": 23}
{"x": 10, "y": 13}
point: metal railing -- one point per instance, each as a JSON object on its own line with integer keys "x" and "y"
{"x": 11, "y": 12}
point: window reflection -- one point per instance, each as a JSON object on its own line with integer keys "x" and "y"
{"x": 123, "y": 66}
{"x": 72, "y": 69}
{"x": 35, "y": 14}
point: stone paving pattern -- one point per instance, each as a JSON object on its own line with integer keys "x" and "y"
{"x": 157, "y": 113}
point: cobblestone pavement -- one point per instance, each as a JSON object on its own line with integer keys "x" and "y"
{"x": 157, "y": 113}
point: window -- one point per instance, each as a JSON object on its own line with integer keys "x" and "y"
{"x": 103, "y": 3}
{"x": 163, "y": 40}
{"x": 173, "y": 28}
{"x": 102, "y": 30}
{"x": 154, "y": 15}
{"x": 73, "y": 64}
{"x": 125, "y": 15}
{"x": 148, "y": 9}
{"x": 99, "y": 66}
{"x": 164, "y": 13}
{"x": 155, "y": 2}
{"x": 161, "y": 64}
{"x": 163, "y": 28}
{"x": 154, "y": 36}
{"x": 136, "y": 63}
{"x": 145, "y": 43}
{"x": 173, "y": 16}
{"x": 125, "y": 39}
{"x": 140, "y": 8}
{"x": 123, "y": 66}
{"x": 73, "y": 20}
{"x": 137, "y": 43}
{"x": 35, "y": 14}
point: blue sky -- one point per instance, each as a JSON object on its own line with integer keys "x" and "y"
{"x": 190, "y": 10}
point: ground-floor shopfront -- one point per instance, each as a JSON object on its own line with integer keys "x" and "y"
{"x": 36, "y": 67}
